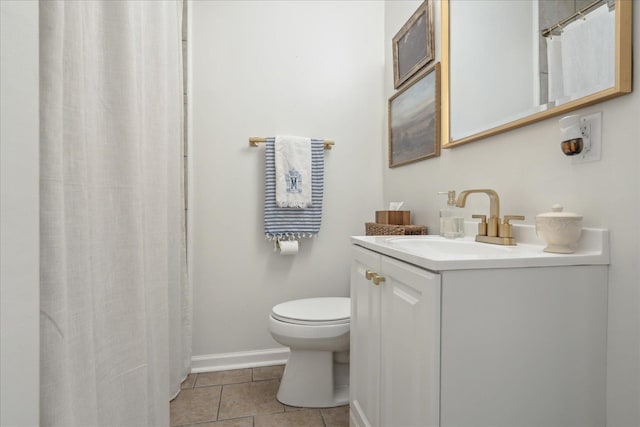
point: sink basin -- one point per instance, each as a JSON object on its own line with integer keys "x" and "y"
{"x": 436, "y": 247}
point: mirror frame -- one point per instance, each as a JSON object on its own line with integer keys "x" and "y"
{"x": 622, "y": 85}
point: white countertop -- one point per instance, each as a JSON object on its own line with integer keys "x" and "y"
{"x": 592, "y": 249}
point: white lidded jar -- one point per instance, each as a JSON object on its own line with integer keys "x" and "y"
{"x": 560, "y": 230}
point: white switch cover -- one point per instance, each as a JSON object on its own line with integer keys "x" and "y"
{"x": 592, "y": 131}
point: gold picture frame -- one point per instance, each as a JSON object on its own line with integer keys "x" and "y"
{"x": 413, "y": 45}
{"x": 414, "y": 119}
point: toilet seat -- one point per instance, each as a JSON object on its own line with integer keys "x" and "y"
{"x": 314, "y": 311}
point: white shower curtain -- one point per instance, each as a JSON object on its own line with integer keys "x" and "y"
{"x": 115, "y": 304}
{"x": 581, "y": 59}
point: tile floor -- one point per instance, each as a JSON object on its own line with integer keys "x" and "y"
{"x": 245, "y": 398}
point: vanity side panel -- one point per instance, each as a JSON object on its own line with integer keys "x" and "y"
{"x": 524, "y": 347}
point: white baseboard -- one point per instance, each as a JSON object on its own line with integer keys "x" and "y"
{"x": 239, "y": 360}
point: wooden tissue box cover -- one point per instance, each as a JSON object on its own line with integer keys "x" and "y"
{"x": 393, "y": 217}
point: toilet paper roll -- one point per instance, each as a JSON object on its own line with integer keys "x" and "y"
{"x": 289, "y": 247}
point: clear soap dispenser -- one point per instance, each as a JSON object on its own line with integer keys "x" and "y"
{"x": 451, "y": 218}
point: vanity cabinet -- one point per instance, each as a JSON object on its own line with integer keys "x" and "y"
{"x": 395, "y": 342}
{"x": 476, "y": 347}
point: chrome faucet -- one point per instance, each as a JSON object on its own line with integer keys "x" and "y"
{"x": 493, "y": 231}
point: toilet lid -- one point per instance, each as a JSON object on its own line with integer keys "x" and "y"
{"x": 314, "y": 311}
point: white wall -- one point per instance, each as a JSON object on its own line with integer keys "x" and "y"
{"x": 261, "y": 69}
{"x": 526, "y": 168}
{"x": 19, "y": 252}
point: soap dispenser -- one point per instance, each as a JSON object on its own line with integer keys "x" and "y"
{"x": 451, "y": 218}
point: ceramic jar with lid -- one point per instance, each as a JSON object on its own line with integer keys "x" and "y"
{"x": 560, "y": 230}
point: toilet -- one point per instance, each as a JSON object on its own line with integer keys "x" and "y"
{"x": 316, "y": 330}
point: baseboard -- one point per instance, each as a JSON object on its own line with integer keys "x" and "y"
{"x": 356, "y": 417}
{"x": 239, "y": 360}
{"x": 353, "y": 422}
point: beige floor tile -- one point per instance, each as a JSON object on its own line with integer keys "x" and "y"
{"x": 206, "y": 379}
{"x": 195, "y": 405}
{"x": 336, "y": 417}
{"x": 237, "y": 422}
{"x": 267, "y": 372}
{"x": 189, "y": 381}
{"x": 288, "y": 408}
{"x": 304, "y": 417}
{"x": 241, "y": 400}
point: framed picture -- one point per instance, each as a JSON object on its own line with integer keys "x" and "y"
{"x": 413, "y": 45}
{"x": 414, "y": 120}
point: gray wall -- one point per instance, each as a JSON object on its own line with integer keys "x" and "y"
{"x": 19, "y": 218}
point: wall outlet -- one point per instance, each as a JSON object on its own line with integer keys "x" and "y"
{"x": 591, "y": 127}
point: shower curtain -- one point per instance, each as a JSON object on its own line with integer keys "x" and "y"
{"x": 115, "y": 304}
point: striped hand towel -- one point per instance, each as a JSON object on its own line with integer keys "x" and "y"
{"x": 287, "y": 223}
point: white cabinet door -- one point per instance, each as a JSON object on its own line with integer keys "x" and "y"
{"x": 410, "y": 343}
{"x": 364, "y": 386}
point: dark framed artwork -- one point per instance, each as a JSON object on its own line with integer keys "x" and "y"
{"x": 414, "y": 119}
{"x": 413, "y": 44}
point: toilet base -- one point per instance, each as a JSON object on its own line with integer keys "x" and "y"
{"x": 312, "y": 379}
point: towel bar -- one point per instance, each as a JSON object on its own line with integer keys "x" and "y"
{"x": 255, "y": 140}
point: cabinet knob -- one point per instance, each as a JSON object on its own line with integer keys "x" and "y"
{"x": 370, "y": 275}
{"x": 377, "y": 279}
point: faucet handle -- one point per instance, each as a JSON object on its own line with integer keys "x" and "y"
{"x": 508, "y": 218}
{"x": 482, "y": 225}
{"x": 506, "y": 229}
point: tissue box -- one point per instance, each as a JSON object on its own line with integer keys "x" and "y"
{"x": 393, "y": 217}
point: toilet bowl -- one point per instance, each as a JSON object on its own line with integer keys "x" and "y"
{"x": 316, "y": 330}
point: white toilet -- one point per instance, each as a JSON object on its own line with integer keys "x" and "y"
{"x": 316, "y": 330}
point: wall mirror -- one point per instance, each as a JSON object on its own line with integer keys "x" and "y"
{"x": 506, "y": 64}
